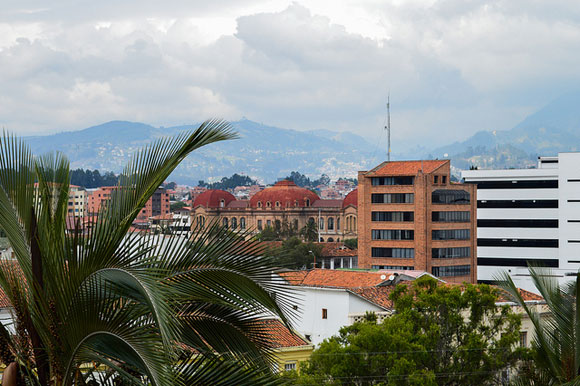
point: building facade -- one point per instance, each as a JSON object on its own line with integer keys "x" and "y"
{"x": 158, "y": 203}
{"x": 528, "y": 216}
{"x": 412, "y": 217}
{"x": 284, "y": 205}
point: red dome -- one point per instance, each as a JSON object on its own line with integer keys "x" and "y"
{"x": 213, "y": 198}
{"x": 286, "y": 193}
{"x": 351, "y": 199}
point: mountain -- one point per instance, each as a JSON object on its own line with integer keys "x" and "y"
{"x": 552, "y": 129}
{"x": 263, "y": 152}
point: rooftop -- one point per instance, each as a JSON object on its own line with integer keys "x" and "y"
{"x": 406, "y": 168}
{"x": 280, "y": 336}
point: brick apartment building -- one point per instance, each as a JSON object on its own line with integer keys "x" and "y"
{"x": 411, "y": 217}
{"x": 158, "y": 203}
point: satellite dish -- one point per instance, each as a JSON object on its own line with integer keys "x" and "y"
{"x": 383, "y": 277}
{"x": 392, "y": 277}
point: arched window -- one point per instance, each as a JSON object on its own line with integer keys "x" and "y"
{"x": 234, "y": 223}
{"x": 321, "y": 223}
{"x": 307, "y": 202}
{"x": 268, "y": 204}
{"x": 277, "y": 204}
{"x": 338, "y": 223}
{"x": 311, "y": 220}
{"x": 321, "y": 239}
{"x": 222, "y": 203}
{"x": 330, "y": 240}
{"x": 277, "y": 224}
{"x": 354, "y": 222}
{"x": 330, "y": 224}
{"x": 242, "y": 223}
{"x": 259, "y": 204}
{"x": 225, "y": 222}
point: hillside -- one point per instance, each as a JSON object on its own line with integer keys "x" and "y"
{"x": 263, "y": 152}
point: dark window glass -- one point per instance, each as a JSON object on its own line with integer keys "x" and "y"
{"x": 450, "y": 234}
{"x": 451, "y": 253}
{"x": 377, "y": 181}
{"x": 517, "y": 223}
{"x": 451, "y": 216}
{"x": 517, "y": 204}
{"x": 544, "y": 184}
{"x": 392, "y": 198}
{"x": 516, "y": 262}
{"x": 392, "y": 216}
{"x": 453, "y": 270}
{"x": 392, "y": 234}
{"x": 450, "y": 197}
{"x": 523, "y": 243}
{"x": 395, "y": 267}
{"x": 399, "y": 253}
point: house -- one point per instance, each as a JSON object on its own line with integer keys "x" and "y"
{"x": 288, "y": 347}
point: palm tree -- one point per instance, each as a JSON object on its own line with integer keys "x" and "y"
{"x": 557, "y": 337}
{"x": 108, "y": 306}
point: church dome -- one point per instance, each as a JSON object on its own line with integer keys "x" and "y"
{"x": 284, "y": 194}
{"x": 351, "y": 199}
{"x": 214, "y": 198}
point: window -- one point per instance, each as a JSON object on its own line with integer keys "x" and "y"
{"x": 392, "y": 216}
{"x": 277, "y": 224}
{"x": 295, "y": 224}
{"x": 330, "y": 224}
{"x": 330, "y": 240}
{"x": 450, "y": 197}
{"x": 321, "y": 223}
{"x": 523, "y": 243}
{"x": 392, "y": 198}
{"x": 450, "y": 234}
{"x": 443, "y": 179}
{"x": 268, "y": 204}
{"x": 435, "y": 179}
{"x": 543, "y": 184}
{"x": 450, "y": 216}
{"x": 242, "y": 223}
{"x": 307, "y": 202}
{"x": 259, "y": 204}
{"x": 225, "y": 222}
{"x": 222, "y": 203}
{"x": 398, "y": 253}
{"x": 451, "y": 253}
{"x": 268, "y": 223}
{"x": 523, "y": 339}
{"x": 517, "y": 204}
{"x": 234, "y": 223}
{"x": 393, "y": 234}
{"x": 517, "y": 223}
{"x": 260, "y": 227}
{"x": 406, "y": 180}
{"x": 516, "y": 262}
{"x": 338, "y": 223}
{"x": 453, "y": 270}
{"x": 395, "y": 267}
{"x": 324, "y": 313}
{"x": 289, "y": 366}
{"x": 277, "y": 204}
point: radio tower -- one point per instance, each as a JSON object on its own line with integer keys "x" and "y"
{"x": 388, "y": 127}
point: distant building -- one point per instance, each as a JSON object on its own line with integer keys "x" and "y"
{"x": 528, "y": 216}
{"x": 77, "y": 201}
{"x": 411, "y": 217}
{"x": 158, "y": 203}
{"x": 282, "y": 205}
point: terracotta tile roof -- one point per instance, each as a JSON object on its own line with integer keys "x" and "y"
{"x": 335, "y": 278}
{"x": 406, "y": 168}
{"x": 239, "y": 204}
{"x": 526, "y": 295}
{"x": 338, "y": 250}
{"x": 327, "y": 204}
{"x": 351, "y": 199}
{"x": 280, "y": 336}
{"x": 376, "y": 295}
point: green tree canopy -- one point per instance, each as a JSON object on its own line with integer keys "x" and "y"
{"x": 295, "y": 254}
{"x": 229, "y": 182}
{"x": 438, "y": 335}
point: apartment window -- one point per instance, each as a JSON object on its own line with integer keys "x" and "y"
{"x": 435, "y": 179}
{"x": 450, "y": 234}
{"x": 392, "y": 216}
{"x": 393, "y": 234}
{"x": 289, "y": 366}
{"x": 453, "y": 270}
{"x": 517, "y": 204}
{"x": 405, "y": 180}
{"x": 260, "y": 227}
{"x": 451, "y": 253}
{"x": 324, "y": 313}
{"x": 523, "y": 339}
{"x": 397, "y": 253}
{"x": 522, "y": 243}
{"x": 443, "y": 179}
{"x": 450, "y": 216}
{"x": 394, "y": 267}
{"x": 517, "y": 223}
{"x": 544, "y": 184}
{"x": 516, "y": 262}
{"x": 392, "y": 198}
{"x": 450, "y": 197}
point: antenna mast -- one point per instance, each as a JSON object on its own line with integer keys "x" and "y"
{"x": 388, "y": 127}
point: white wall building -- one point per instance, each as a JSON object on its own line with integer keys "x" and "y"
{"x": 528, "y": 215}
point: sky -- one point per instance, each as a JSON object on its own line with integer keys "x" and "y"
{"x": 451, "y": 67}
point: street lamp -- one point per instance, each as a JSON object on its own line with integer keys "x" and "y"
{"x": 313, "y": 255}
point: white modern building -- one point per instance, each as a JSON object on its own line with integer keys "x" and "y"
{"x": 528, "y": 215}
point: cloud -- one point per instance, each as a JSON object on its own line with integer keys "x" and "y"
{"x": 452, "y": 67}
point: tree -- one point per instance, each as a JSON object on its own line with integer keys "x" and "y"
{"x": 177, "y": 205}
{"x": 351, "y": 243}
{"x": 438, "y": 335}
{"x": 127, "y": 308}
{"x": 556, "y": 341}
{"x": 294, "y": 254}
{"x": 268, "y": 234}
{"x": 309, "y": 232}
{"x": 229, "y": 182}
